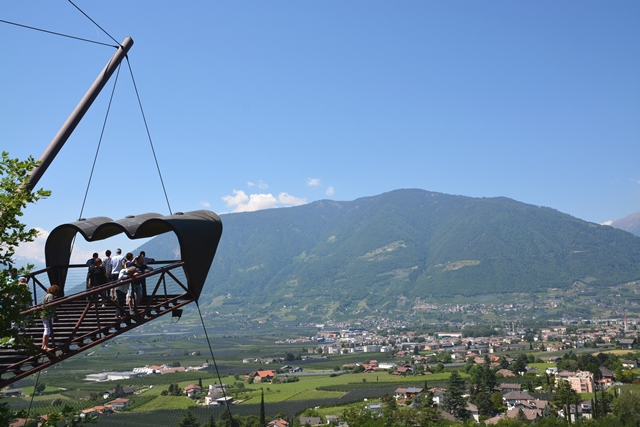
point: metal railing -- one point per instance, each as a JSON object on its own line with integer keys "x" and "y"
{"x": 77, "y": 280}
{"x": 87, "y": 317}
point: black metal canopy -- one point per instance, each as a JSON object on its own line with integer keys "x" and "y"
{"x": 198, "y": 234}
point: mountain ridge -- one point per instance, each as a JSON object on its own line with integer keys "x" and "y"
{"x": 630, "y": 223}
{"x": 409, "y": 244}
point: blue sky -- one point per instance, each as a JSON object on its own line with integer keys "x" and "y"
{"x": 260, "y": 104}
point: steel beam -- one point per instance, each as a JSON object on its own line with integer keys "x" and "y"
{"x": 74, "y": 119}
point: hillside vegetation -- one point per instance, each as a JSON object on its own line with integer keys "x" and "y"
{"x": 409, "y": 244}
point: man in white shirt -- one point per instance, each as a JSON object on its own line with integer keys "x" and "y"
{"x": 116, "y": 265}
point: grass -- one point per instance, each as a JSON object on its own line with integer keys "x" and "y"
{"x": 304, "y": 389}
{"x": 541, "y": 367}
{"x": 166, "y": 402}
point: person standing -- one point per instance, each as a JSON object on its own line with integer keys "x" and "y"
{"x": 106, "y": 262}
{"x": 90, "y": 262}
{"x": 98, "y": 276}
{"x": 48, "y": 315}
{"x": 23, "y": 281}
{"x": 145, "y": 259}
{"x": 116, "y": 265}
{"x": 141, "y": 262}
{"x": 123, "y": 291}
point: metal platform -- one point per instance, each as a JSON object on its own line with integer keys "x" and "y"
{"x": 86, "y": 319}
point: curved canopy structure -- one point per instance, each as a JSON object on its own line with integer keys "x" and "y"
{"x": 198, "y": 234}
{"x": 87, "y": 318}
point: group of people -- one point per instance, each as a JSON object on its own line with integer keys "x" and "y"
{"x": 100, "y": 272}
{"x": 119, "y": 268}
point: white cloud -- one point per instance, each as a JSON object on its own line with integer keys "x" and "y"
{"x": 607, "y": 223}
{"x": 239, "y": 198}
{"x": 241, "y": 202}
{"x": 205, "y": 204}
{"x": 330, "y": 190}
{"x": 289, "y": 200}
{"x": 313, "y": 182}
{"x": 81, "y": 255}
{"x": 260, "y": 184}
{"x": 33, "y": 250}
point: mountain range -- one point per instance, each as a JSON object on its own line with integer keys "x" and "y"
{"x": 630, "y": 223}
{"x": 408, "y": 244}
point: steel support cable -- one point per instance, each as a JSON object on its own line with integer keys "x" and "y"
{"x": 146, "y": 126}
{"x": 35, "y": 386}
{"x": 95, "y": 158}
{"x": 117, "y": 45}
{"x": 213, "y": 358}
{"x": 94, "y": 22}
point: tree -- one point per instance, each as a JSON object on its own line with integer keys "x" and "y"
{"x": 498, "y": 403}
{"x": 14, "y": 176}
{"x": 14, "y": 197}
{"x": 226, "y": 419}
{"x": 565, "y": 397}
{"x": 67, "y": 417}
{"x": 188, "y": 420}
{"x": 39, "y": 388}
{"x": 210, "y": 423}
{"x": 521, "y": 417}
{"x": 263, "y": 419}
{"x": 118, "y": 391}
{"x": 453, "y": 400}
{"x": 626, "y": 408}
{"x": 520, "y": 365}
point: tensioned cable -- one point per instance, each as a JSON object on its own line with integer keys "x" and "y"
{"x": 213, "y": 358}
{"x": 95, "y": 158}
{"x": 33, "y": 395}
{"x": 94, "y": 22}
{"x": 146, "y": 126}
{"x": 59, "y": 34}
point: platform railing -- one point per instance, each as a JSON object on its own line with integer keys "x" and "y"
{"x": 38, "y": 281}
{"x": 87, "y": 318}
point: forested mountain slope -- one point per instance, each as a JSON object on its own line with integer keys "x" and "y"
{"x": 410, "y": 243}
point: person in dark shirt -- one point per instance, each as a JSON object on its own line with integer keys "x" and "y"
{"x": 98, "y": 276}
{"x": 90, "y": 265}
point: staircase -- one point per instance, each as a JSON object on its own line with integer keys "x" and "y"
{"x": 86, "y": 319}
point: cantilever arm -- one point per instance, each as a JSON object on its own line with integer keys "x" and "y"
{"x": 74, "y": 119}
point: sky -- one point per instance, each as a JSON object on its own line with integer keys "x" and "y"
{"x": 269, "y": 104}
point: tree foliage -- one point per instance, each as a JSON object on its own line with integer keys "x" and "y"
{"x": 189, "y": 420}
{"x": 453, "y": 400}
{"x": 627, "y": 407}
{"x": 14, "y": 198}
